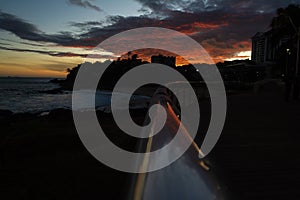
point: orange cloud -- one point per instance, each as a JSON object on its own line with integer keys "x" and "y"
{"x": 195, "y": 27}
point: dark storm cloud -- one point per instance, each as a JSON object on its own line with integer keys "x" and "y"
{"x": 84, "y": 4}
{"x": 91, "y": 37}
{"x": 226, "y": 26}
{"x": 50, "y": 53}
{"x": 87, "y": 24}
{"x": 56, "y": 53}
{"x": 28, "y": 31}
{"x": 31, "y": 44}
{"x": 19, "y": 27}
{"x": 223, "y": 27}
{"x": 210, "y": 5}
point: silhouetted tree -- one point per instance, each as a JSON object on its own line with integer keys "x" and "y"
{"x": 286, "y": 17}
{"x": 128, "y": 54}
{"x": 134, "y": 57}
{"x": 285, "y": 25}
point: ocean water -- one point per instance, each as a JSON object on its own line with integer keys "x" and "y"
{"x": 23, "y": 95}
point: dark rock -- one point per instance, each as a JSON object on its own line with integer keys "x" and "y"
{"x": 54, "y": 91}
{"x": 60, "y": 114}
{"x": 5, "y": 114}
{"x": 56, "y": 80}
{"x": 23, "y": 116}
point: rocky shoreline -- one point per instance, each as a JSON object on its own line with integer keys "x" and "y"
{"x": 41, "y": 156}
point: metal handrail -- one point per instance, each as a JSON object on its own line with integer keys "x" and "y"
{"x": 189, "y": 171}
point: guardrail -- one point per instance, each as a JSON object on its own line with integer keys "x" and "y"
{"x": 189, "y": 177}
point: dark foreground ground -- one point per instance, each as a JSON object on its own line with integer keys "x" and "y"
{"x": 258, "y": 152}
{"x": 257, "y": 156}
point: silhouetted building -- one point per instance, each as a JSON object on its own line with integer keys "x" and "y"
{"x": 265, "y": 48}
{"x": 259, "y": 43}
{"x": 242, "y": 71}
{"x": 165, "y": 60}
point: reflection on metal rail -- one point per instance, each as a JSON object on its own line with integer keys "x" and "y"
{"x": 187, "y": 178}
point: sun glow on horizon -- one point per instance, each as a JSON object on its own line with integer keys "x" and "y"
{"x": 240, "y": 56}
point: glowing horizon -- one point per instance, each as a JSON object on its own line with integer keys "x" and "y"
{"x": 60, "y": 34}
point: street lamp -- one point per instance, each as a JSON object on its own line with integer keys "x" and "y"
{"x": 288, "y": 52}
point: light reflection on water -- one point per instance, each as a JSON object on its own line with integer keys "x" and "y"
{"x": 23, "y": 95}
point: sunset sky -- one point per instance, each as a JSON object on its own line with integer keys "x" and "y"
{"x": 44, "y": 38}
